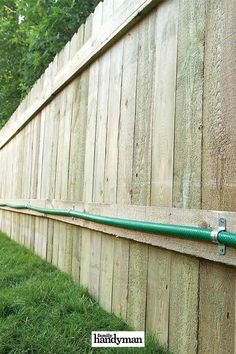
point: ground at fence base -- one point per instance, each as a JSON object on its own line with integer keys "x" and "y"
{"x": 43, "y": 311}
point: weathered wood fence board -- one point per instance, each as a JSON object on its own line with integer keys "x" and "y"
{"x": 189, "y": 103}
{"x": 138, "y": 110}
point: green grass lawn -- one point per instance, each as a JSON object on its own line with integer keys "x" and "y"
{"x": 43, "y": 311}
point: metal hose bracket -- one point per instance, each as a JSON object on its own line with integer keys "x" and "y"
{"x": 215, "y": 234}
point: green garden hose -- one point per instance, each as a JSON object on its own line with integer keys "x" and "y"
{"x": 186, "y": 232}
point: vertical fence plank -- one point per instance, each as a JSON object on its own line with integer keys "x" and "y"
{"x": 125, "y": 158}
{"x": 95, "y": 238}
{"x": 76, "y": 253}
{"x": 53, "y": 228}
{"x": 164, "y": 103}
{"x": 92, "y": 115}
{"x": 68, "y": 248}
{"x": 77, "y": 149}
{"x": 75, "y": 99}
{"x": 107, "y": 243}
{"x": 158, "y": 289}
{"x": 111, "y": 163}
{"x": 100, "y": 139}
{"x": 38, "y": 223}
{"x": 187, "y": 169}
{"x": 102, "y": 86}
{"x": 141, "y": 172}
{"x": 183, "y": 317}
{"x": 127, "y": 117}
{"x": 95, "y": 263}
{"x": 46, "y": 151}
{"x": 78, "y": 130}
{"x": 106, "y": 272}
{"x": 120, "y": 277}
{"x": 216, "y": 309}
{"x": 143, "y": 118}
{"x": 90, "y": 257}
{"x": 55, "y": 243}
{"x": 109, "y": 284}
{"x": 34, "y": 170}
{"x": 136, "y": 307}
{"x": 189, "y": 101}
{"x": 63, "y": 151}
{"x": 50, "y": 232}
{"x": 219, "y": 124}
{"x": 85, "y": 258}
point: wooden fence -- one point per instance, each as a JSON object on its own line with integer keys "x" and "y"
{"x": 135, "y": 118}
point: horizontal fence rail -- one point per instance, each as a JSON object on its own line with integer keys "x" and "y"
{"x": 196, "y": 233}
{"x": 203, "y": 219}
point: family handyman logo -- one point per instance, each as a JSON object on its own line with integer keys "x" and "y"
{"x": 118, "y": 339}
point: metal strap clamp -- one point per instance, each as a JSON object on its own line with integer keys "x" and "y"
{"x": 215, "y": 234}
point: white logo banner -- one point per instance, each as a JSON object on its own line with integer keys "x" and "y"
{"x": 118, "y": 339}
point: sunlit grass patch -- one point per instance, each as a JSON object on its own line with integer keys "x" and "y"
{"x": 43, "y": 311}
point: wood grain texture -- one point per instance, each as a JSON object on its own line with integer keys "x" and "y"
{"x": 68, "y": 249}
{"x": 120, "y": 278}
{"x": 158, "y": 293}
{"x": 93, "y": 240}
{"x": 187, "y": 170}
{"x": 35, "y": 156}
{"x": 62, "y": 144}
{"x": 19, "y": 180}
{"x": 102, "y": 113}
{"x": 36, "y": 236}
{"x": 101, "y": 278}
{"x": 219, "y": 124}
{"x": 15, "y": 225}
{"x": 189, "y": 103}
{"x": 101, "y": 128}
{"x": 78, "y": 126}
{"x": 183, "y": 315}
{"x": 106, "y": 272}
{"x": 61, "y": 234}
{"x": 85, "y": 258}
{"x": 123, "y": 188}
{"x": 76, "y": 253}
{"x": 55, "y": 244}
{"x": 95, "y": 263}
{"x": 141, "y": 169}
{"x": 47, "y": 140}
{"x": 141, "y": 178}
{"x": 112, "y": 137}
{"x": 92, "y": 117}
{"x": 50, "y": 234}
{"x": 78, "y": 138}
{"x": 83, "y": 272}
{"x": 164, "y": 104}
{"x": 127, "y": 118}
{"x": 75, "y": 132}
{"x": 216, "y": 309}
{"x": 136, "y": 306}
